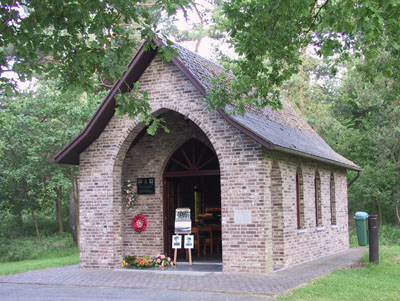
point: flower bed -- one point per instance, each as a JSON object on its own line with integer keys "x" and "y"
{"x": 133, "y": 262}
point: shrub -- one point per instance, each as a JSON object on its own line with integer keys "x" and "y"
{"x": 23, "y": 248}
{"x": 389, "y": 235}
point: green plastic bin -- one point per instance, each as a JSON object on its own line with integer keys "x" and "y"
{"x": 361, "y": 219}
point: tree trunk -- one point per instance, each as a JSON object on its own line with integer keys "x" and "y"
{"x": 397, "y": 215}
{"x": 20, "y": 219}
{"x": 72, "y": 216}
{"x": 28, "y": 198}
{"x": 200, "y": 15}
{"x": 59, "y": 209}
{"x": 36, "y": 225}
{"x": 33, "y": 216}
{"x": 74, "y": 209}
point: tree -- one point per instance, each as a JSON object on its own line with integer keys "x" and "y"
{"x": 269, "y": 37}
{"x": 33, "y": 127}
{"x": 74, "y": 40}
{"x": 358, "y": 119}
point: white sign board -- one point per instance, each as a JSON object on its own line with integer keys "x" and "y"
{"x": 182, "y": 214}
{"x": 189, "y": 241}
{"x": 176, "y": 241}
{"x": 242, "y": 217}
{"x": 183, "y": 224}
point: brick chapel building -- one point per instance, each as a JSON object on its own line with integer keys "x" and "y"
{"x": 276, "y": 189}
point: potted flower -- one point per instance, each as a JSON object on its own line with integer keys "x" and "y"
{"x": 131, "y": 261}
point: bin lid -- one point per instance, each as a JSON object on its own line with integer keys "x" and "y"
{"x": 361, "y": 215}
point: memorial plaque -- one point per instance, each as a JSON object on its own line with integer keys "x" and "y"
{"x": 183, "y": 223}
{"x": 242, "y": 217}
{"x": 145, "y": 186}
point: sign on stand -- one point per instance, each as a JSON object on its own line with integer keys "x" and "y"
{"x": 183, "y": 225}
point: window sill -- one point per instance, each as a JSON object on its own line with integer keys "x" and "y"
{"x": 301, "y": 231}
{"x": 319, "y": 229}
{"x": 334, "y": 227}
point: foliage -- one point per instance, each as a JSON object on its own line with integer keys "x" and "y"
{"x": 11, "y": 226}
{"x": 370, "y": 282}
{"x": 27, "y": 248}
{"x": 136, "y": 104}
{"x": 33, "y": 126}
{"x": 131, "y": 261}
{"x": 359, "y": 120}
{"x": 389, "y": 235}
{"x": 81, "y": 42}
{"x": 270, "y": 37}
{"x": 74, "y": 40}
{"x": 7, "y": 268}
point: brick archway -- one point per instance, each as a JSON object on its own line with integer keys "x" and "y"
{"x": 132, "y": 131}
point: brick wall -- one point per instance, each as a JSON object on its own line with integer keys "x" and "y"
{"x": 249, "y": 199}
{"x": 243, "y": 177}
{"x": 302, "y": 245}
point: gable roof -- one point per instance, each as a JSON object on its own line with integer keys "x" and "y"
{"x": 282, "y": 130}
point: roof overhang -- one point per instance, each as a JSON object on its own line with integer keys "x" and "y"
{"x": 106, "y": 110}
{"x": 316, "y": 158}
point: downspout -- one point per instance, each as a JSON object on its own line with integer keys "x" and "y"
{"x": 355, "y": 179}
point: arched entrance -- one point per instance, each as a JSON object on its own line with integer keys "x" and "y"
{"x": 192, "y": 180}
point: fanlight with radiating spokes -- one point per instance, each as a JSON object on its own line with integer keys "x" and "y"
{"x": 193, "y": 158}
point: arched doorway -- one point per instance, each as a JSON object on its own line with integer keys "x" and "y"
{"x": 192, "y": 180}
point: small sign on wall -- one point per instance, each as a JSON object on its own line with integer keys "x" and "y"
{"x": 145, "y": 186}
{"x": 242, "y": 217}
{"x": 176, "y": 241}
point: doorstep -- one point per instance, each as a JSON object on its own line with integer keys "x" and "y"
{"x": 183, "y": 268}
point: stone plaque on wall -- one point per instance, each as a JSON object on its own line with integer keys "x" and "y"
{"x": 242, "y": 217}
{"x": 145, "y": 186}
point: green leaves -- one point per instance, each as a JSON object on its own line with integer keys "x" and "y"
{"x": 136, "y": 105}
{"x": 74, "y": 41}
{"x": 33, "y": 127}
{"x": 269, "y": 37}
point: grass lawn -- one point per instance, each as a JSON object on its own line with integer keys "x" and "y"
{"x": 23, "y": 254}
{"x": 369, "y": 282}
{"x": 7, "y": 268}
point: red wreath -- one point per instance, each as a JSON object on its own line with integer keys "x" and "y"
{"x": 139, "y": 223}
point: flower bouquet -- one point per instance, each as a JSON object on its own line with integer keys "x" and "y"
{"x": 162, "y": 261}
{"x": 130, "y": 195}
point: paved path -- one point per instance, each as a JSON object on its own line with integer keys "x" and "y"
{"x": 220, "y": 283}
